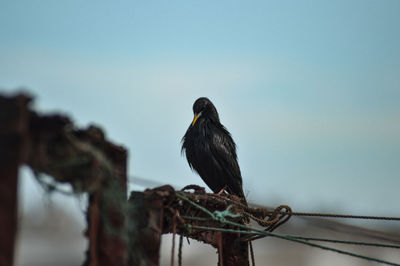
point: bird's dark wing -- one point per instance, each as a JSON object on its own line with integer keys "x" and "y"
{"x": 223, "y": 150}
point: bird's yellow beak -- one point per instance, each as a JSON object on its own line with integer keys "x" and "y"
{"x": 196, "y": 116}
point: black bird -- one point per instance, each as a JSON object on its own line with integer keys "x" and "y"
{"x": 211, "y": 151}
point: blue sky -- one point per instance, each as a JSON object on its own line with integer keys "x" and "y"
{"x": 310, "y": 90}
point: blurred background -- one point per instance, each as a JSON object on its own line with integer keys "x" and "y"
{"x": 310, "y": 91}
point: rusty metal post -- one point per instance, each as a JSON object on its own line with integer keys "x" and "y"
{"x": 84, "y": 158}
{"x": 13, "y": 129}
{"x": 233, "y": 252}
{"x": 153, "y": 213}
{"x": 107, "y": 221}
{"x": 146, "y": 228}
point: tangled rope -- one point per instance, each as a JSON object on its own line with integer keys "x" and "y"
{"x": 222, "y": 217}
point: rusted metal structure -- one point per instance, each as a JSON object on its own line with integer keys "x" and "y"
{"x": 84, "y": 158}
{"x": 14, "y": 118}
{"x": 121, "y": 232}
{"x": 162, "y": 212}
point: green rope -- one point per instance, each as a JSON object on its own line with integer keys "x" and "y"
{"x": 300, "y": 237}
{"x": 220, "y": 215}
{"x": 253, "y": 231}
{"x": 182, "y": 196}
{"x": 201, "y": 219}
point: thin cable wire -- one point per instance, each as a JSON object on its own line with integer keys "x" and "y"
{"x": 173, "y": 239}
{"x": 330, "y": 215}
{"x": 360, "y": 243}
{"x": 290, "y": 238}
{"x": 180, "y": 250}
{"x": 253, "y": 260}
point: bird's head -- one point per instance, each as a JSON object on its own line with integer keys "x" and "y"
{"x": 203, "y": 108}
